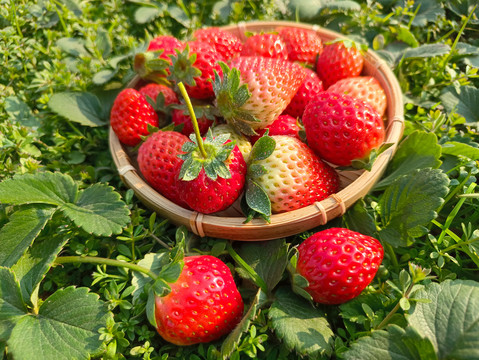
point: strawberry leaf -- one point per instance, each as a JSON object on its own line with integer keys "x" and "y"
{"x": 257, "y": 199}
{"x": 301, "y": 326}
{"x": 12, "y": 306}
{"x": 148, "y": 65}
{"x": 465, "y": 102}
{"x": 154, "y": 262}
{"x": 262, "y": 148}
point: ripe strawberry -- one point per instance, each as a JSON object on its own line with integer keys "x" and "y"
{"x": 203, "y": 305}
{"x": 242, "y": 142}
{"x": 159, "y": 163}
{"x": 203, "y": 115}
{"x": 283, "y": 125}
{"x": 130, "y": 115}
{"x": 256, "y": 91}
{"x": 366, "y": 88}
{"x": 225, "y": 43}
{"x": 302, "y": 45}
{"x": 341, "y": 129}
{"x": 310, "y": 87}
{"x": 267, "y": 45}
{"x": 293, "y": 176}
{"x": 152, "y": 90}
{"x": 167, "y": 44}
{"x": 338, "y": 264}
{"x": 339, "y": 60}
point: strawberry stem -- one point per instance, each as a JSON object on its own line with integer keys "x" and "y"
{"x": 194, "y": 121}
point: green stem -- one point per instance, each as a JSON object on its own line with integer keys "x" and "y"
{"x": 392, "y": 255}
{"x": 104, "y": 261}
{"x": 194, "y": 121}
{"x": 395, "y": 309}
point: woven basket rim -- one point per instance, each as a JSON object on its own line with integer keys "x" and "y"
{"x": 292, "y": 222}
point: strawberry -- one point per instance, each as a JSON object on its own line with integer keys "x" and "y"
{"x": 213, "y": 174}
{"x": 339, "y": 60}
{"x": 366, "y": 88}
{"x": 338, "y": 264}
{"x": 166, "y": 44}
{"x": 267, "y": 45}
{"x": 204, "y": 303}
{"x": 283, "y": 125}
{"x": 130, "y": 116}
{"x": 225, "y": 43}
{"x": 310, "y": 87}
{"x": 255, "y": 91}
{"x": 205, "y": 118}
{"x": 302, "y": 45}
{"x": 159, "y": 163}
{"x": 242, "y": 142}
{"x": 152, "y": 90}
{"x": 293, "y": 176}
{"x": 340, "y": 128}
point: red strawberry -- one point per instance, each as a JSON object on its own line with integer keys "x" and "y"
{"x": 339, "y": 60}
{"x": 225, "y": 43}
{"x": 310, "y": 87}
{"x": 152, "y": 90}
{"x": 181, "y": 116}
{"x": 283, "y": 125}
{"x": 294, "y": 176}
{"x": 203, "y": 305}
{"x": 366, "y": 88}
{"x": 167, "y": 44}
{"x": 256, "y": 91}
{"x": 341, "y": 129}
{"x": 338, "y": 264}
{"x": 302, "y": 45}
{"x": 130, "y": 115}
{"x": 159, "y": 163}
{"x": 267, "y": 45}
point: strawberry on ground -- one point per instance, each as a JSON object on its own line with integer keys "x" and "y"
{"x": 338, "y": 264}
{"x": 311, "y": 86}
{"x": 160, "y": 165}
{"x": 302, "y": 45}
{"x": 293, "y": 176}
{"x": 267, "y": 45}
{"x": 256, "y": 90}
{"x": 225, "y": 43}
{"x": 130, "y": 116}
{"x": 339, "y": 60}
{"x": 366, "y": 88}
{"x": 203, "y": 305}
{"x": 340, "y": 128}
{"x": 283, "y": 125}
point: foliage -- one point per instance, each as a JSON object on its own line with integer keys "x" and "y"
{"x": 80, "y": 255}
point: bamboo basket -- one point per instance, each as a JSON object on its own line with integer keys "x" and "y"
{"x": 229, "y": 224}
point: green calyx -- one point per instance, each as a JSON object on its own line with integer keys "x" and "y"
{"x": 149, "y": 66}
{"x": 230, "y": 97}
{"x": 210, "y": 154}
{"x": 182, "y": 69}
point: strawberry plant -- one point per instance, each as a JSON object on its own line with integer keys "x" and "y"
{"x": 83, "y": 261}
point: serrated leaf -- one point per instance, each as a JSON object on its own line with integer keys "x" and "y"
{"x": 73, "y": 46}
{"x": 179, "y": 15}
{"x": 460, "y": 149}
{"x": 98, "y": 210}
{"x": 103, "y": 76}
{"x": 427, "y": 51}
{"x": 450, "y": 320}
{"x": 146, "y": 14}
{"x": 394, "y": 344}
{"x": 262, "y": 148}
{"x": 19, "y": 233}
{"x": 465, "y": 103}
{"x": 301, "y": 327}
{"x": 81, "y": 107}
{"x": 358, "y": 219}
{"x": 43, "y": 188}
{"x": 103, "y": 42}
{"x": 463, "y": 8}
{"x": 257, "y": 199}
{"x": 410, "y": 203}
{"x": 35, "y": 263}
{"x": 429, "y": 11}
{"x": 267, "y": 258}
{"x": 12, "y": 306}
{"x": 470, "y": 54}
{"x": 406, "y": 35}
{"x": 306, "y": 9}
{"x": 66, "y": 327}
{"x": 152, "y": 261}
{"x": 231, "y": 342}
{"x": 21, "y": 112}
{"x": 419, "y": 150}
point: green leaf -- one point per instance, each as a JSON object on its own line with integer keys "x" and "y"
{"x": 429, "y": 11}
{"x": 427, "y": 51}
{"x": 152, "y": 261}
{"x": 406, "y": 35}
{"x": 460, "y": 149}
{"x": 19, "y": 233}
{"x": 419, "y": 150}
{"x": 463, "y": 8}
{"x": 146, "y": 14}
{"x": 410, "y": 203}
{"x": 73, "y": 46}
{"x": 103, "y": 42}
{"x": 35, "y": 263}
{"x": 179, "y": 15}
{"x": 66, "y": 327}
{"x": 262, "y": 148}
{"x": 469, "y": 53}
{"x": 21, "y": 112}
{"x": 394, "y": 344}
{"x": 12, "y": 306}
{"x": 267, "y": 258}
{"x": 98, "y": 210}
{"x": 450, "y": 320}
{"x": 103, "y": 76}
{"x": 300, "y": 326}
{"x": 81, "y": 107}
{"x": 44, "y": 188}
{"x": 358, "y": 219}
{"x": 464, "y": 102}
{"x": 257, "y": 199}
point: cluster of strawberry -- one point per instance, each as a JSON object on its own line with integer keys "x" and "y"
{"x": 273, "y": 115}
